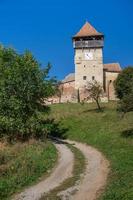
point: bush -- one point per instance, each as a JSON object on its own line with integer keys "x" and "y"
{"x": 126, "y": 103}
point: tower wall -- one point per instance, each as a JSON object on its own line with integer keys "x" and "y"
{"x": 88, "y": 66}
{"x": 110, "y": 77}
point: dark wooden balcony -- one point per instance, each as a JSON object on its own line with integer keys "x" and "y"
{"x": 88, "y": 44}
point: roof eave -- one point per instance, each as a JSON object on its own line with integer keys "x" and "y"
{"x": 106, "y": 70}
{"x": 86, "y": 36}
{"x": 67, "y": 81}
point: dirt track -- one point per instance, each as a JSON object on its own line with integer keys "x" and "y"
{"x": 94, "y": 178}
{"x": 62, "y": 171}
{"x": 92, "y": 182}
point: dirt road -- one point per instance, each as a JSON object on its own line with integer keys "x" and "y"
{"x": 94, "y": 177}
{"x": 62, "y": 171}
{"x": 88, "y": 188}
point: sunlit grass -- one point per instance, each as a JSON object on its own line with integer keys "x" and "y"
{"x": 107, "y": 132}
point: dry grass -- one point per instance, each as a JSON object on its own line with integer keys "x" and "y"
{"x": 22, "y": 164}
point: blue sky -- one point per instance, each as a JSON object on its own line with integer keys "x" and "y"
{"x": 45, "y": 27}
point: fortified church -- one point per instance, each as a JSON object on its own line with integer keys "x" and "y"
{"x": 88, "y": 45}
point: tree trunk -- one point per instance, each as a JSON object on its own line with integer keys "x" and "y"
{"x": 78, "y": 96}
{"x": 60, "y": 99}
{"x": 98, "y": 105}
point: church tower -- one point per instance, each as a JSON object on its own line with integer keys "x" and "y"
{"x": 88, "y": 44}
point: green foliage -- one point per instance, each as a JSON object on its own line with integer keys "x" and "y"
{"x": 124, "y": 90}
{"x": 124, "y": 82}
{"x": 51, "y": 128}
{"x": 126, "y": 103}
{"x": 23, "y": 88}
{"x": 22, "y": 164}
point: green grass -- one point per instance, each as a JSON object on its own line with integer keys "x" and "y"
{"x": 79, "y": 167}
{"x": 106, "y": 131}
{"x": 22, "y": 164}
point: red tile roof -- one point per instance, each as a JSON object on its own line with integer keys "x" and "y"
{"x": 87, "y": 30}
{"x": 112, "y": 67}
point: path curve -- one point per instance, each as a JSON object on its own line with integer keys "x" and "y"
{"x": 93, "y": 180}
{"x": 62, "y": 171}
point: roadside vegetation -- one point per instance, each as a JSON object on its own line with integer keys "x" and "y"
{"x": 108, "y": 132}
{"x": 22, "y": 164}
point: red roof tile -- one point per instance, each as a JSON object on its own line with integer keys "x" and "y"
{"x": 87, "y": 30}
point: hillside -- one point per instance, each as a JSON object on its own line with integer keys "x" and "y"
{"x": 109, "y": 133}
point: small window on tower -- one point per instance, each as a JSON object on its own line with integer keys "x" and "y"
{"x": 93, "y": 78}
{"x": 84, "y": 77}
{"x": 84, "y": 66}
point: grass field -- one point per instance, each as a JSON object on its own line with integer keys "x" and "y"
{"x": 22, "y": 164}
{"x": 109, "y": 133}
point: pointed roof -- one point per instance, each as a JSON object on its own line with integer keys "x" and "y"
{"x": 87, "y": 30}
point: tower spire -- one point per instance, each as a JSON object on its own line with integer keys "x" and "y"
{"x": 87, "y": 30}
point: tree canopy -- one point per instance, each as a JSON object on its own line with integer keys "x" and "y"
{"x": 24, "y": 86}
{"x": 124, "y": 90}
{"x": 124, "y": 82}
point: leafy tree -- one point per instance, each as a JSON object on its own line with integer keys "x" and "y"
{"x": 126, "y": 104}
{"x": 23, "y": 88}
{"x": 95, "y": 91}
{"x": 124, "y": 82}
{"x": 124, "y": 90}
